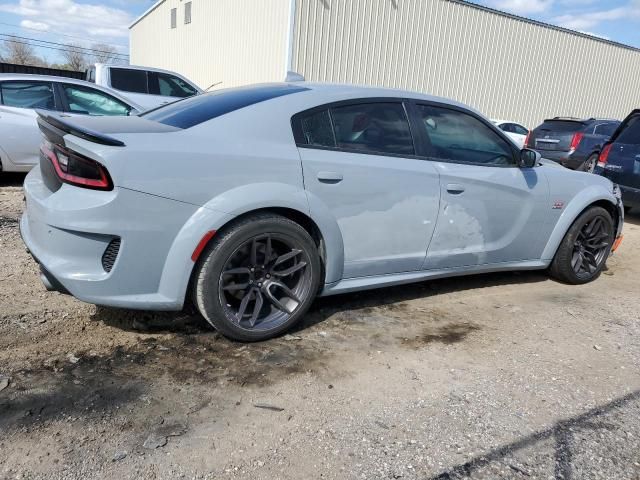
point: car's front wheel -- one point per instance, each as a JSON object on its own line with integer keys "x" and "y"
{"x": 585, "y": 248}
{"x": 258, "y": 278}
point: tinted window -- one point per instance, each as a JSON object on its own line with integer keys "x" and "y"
{"x": 459, "y": 137}
{"x": 169, "y": 86}
{"x": 134, "y": 81}
{"x": 93, "y": 102}
{"x": 519, "y": 129}
{"x": 630, "y": 135}
{"x": 373, "y": 127}
{"x": 317, "y": 129}
{"x": 561, "y": 126}
{"x": 605, "y": 129}
{"x": 27, "y": 95}
{"x": 201, "y": 108}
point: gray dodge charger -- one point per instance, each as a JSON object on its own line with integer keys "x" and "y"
{"x": 250, "y": 202}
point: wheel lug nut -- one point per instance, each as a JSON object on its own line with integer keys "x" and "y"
{"x": 259, "y": 284}
{"x": 252, "y": 269}
{"x": 268, "y": 276}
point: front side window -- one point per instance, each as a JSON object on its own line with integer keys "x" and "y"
{"x": 134, "y": 81}
{"x": 459, "y": 137}
{"x": 169, "y": 86}
{"x": 27, "y": 95}
{"x": 372, "y": 127}
{"x": 93, "y": 102}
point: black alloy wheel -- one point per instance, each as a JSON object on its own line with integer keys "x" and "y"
{"x": 258, "y": 277}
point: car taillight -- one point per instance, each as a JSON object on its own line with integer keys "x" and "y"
{"x": 76, "y": 169}
{"x": 526, "y": 140}
{"x": 604, "y": 155}
{"x": 575, "y": 141}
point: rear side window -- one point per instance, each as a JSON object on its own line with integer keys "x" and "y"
{"x": 201, "y": 108}
{"x": 561, "y": 126}
{"x": 606, "y": 129}
{"x": 631, "y": 133}
{"x": 373, "y": 127}
{"x": 317, "y": 129}
{"x": 134, "y": 81}
{"x": 519, "y": 129}
{"x": 27, "y": 95}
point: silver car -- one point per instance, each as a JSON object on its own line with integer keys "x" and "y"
{"x": 249, "y": 202}
{"x": 22, "y": 94}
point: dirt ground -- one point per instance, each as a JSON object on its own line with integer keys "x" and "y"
{"x": 490, "y": 377}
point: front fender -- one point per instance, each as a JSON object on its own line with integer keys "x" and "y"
{"x": 241, "y": 200}
{"x": 576, "y": 206}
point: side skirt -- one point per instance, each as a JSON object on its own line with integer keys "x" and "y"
{"x": 378, "y": 281}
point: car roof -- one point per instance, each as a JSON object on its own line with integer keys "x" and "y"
{"x": 581, "y": 120}
{"x": 74, "y": 81}
{"x": 499, "y": 122}
{"x": 325, "y": 92}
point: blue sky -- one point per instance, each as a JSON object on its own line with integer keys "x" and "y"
{"x": 86, "y": 22}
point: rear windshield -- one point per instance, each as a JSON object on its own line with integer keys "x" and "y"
{"x": 561, "y": 126}
{"x": 631, "y": 133}
{"x": 201, "y": 108}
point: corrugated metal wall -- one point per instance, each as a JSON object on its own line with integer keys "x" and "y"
{"x": 505, "y": 67}
{"x": 230, "y": 41}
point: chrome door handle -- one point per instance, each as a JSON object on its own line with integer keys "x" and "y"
{"x": 455, "y": 188}
{"x": 330, "y": 177}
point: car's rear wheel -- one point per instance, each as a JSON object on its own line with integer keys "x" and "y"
{"x": 258, "y": 278}
{"x": 590, "y": 163}
{"x": 585, "y": 248}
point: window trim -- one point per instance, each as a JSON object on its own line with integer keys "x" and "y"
{"x": 298, "y": 135}
{"x": 423, "y": 143}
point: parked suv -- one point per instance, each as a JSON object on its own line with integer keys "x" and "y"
{"x": 620, "y": 159}
{"x": 574, "y": 143}
{"x": 148, "y": 87}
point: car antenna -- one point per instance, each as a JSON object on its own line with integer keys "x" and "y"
{"x": 213, "y": 85}
{"x": 294, "y": 77}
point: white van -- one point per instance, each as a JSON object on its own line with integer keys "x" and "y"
{"x": 148, "y": 87}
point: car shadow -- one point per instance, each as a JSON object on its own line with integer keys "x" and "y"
{"x": 562, "y": 434}
{"x": 11, "y": 179}
{"x": 633, "y": 217}
{"x": 190, "y": 321}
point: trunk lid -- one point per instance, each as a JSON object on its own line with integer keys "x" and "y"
{"x": 623, "y": 161}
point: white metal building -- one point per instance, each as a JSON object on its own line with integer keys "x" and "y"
{"x": 506, "y": 66}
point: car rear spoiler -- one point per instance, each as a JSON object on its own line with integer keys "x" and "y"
{"x": 54, "y": 128}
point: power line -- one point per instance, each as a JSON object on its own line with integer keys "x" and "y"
{"x": 60, "y": 34}
{"x": 50, "y": 48}
{"x": 25, "y": 40}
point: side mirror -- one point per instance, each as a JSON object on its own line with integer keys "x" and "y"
{"x": 529, "y": 158}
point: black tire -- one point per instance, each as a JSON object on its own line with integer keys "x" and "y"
{"x": 577, "y": 248}
{"x": 590, "y": 163}
{"x": 244, "y": 262}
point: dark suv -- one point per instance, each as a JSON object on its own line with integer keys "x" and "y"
{"x": 620, "y": 159}
{"x": 572, "y": 142}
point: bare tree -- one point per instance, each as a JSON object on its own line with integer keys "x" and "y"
{"x": 75, "y": 57}
{"x": 18, "y": 52}
{"x": 103, "y": 53}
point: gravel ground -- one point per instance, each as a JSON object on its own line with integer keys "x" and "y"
{"x": 505, "y": 376}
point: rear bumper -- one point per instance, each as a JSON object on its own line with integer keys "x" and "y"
{"x": 630, "y": 196}
{"x": 566, "y": 159}
{"x": 68, "y": 231}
